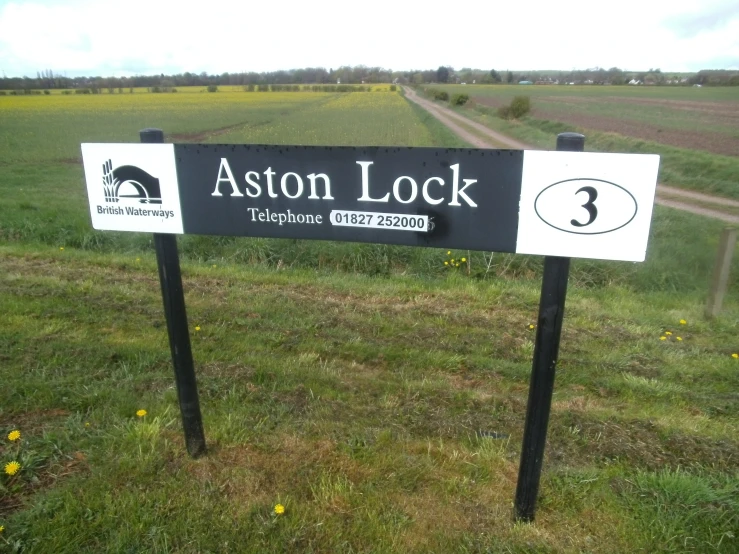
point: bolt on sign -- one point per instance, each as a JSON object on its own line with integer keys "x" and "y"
{"x": 570, "y": 204}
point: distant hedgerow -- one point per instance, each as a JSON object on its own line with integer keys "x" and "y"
{"x": 437, "y": 94}
{"x": 520, "y": 106}
{"x": 459, "y": 99}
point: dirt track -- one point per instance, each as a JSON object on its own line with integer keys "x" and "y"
{"x": 679, "y": 199}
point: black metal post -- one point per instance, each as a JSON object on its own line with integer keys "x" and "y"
{"x": 170, "y": 279}
{"x": 546, "y": 352}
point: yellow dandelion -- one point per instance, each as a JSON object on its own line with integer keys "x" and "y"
{"x": 141, "y": 413}
{"x": 663, "y": 337}
{"x": 197, "y": 327}
{"x": 464, "y": 260}
{"x": 279, "y": 509}
{"x": 2, "y": 528}
{"x": 448, "y": 252}
{"x": 457, "y": 265}
{"x": 668, "y": 333}
{"x": 214, "y": 265}
{"x": 446, "y": 263}
{"x": 452, "y": 260}
{"x": 61, "y": 248}
{"x": 683, "y": 322}
{"x": 531, "y": 325}
{"x": 735, "y": 355}
{"x": 14, "y": 435}
{"x": 87, "y": 423}
{"x": 11, "y": 468}
{"x": 679, "y": 338}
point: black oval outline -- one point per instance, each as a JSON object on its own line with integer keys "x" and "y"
{"x": 636, "y": 205}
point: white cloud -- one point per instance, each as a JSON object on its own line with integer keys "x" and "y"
{"x": 147, "y": 36}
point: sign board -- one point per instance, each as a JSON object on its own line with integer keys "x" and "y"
{"x": 569, "y": 204}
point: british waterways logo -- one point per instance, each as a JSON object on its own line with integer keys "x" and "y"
{"x": 132, "y": 187}
{"x": 130, "y": 182}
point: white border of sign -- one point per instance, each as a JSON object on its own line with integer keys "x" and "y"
{"x": 562, "y": 191}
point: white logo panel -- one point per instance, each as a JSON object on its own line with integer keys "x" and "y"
{"x": 586, "y": 205}
{"x": 133, "y": 187}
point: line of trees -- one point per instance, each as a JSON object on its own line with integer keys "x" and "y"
{"x": 591, "y": 76}
{"x": 48, "y": 79}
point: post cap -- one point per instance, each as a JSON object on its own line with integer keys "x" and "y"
{"x": 151, "y": 135}
{"x": 571, "y": 142}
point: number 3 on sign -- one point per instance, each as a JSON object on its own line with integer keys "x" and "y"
{"x": 592, "y": 210}
{"x": 561, "y": 206}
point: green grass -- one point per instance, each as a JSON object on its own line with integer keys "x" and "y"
{"x": 360, "y": 386}
{"x": 360, "y": 404}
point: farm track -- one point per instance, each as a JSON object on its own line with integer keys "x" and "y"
{"x": 672, "y": 197}
{"x": 204, "y": 135}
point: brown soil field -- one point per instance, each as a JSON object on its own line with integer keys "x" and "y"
{"x": 711, "y": 113}
{"x": 724, "y": 209}
{"x": 720, "y": 109}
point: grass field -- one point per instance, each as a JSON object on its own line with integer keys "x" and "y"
{"x": 376, "y": 395}
{"x": 695, "y": 130}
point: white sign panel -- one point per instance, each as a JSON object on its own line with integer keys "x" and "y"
{"x": 133, "y": 187}
{"x": 586, "y": 205}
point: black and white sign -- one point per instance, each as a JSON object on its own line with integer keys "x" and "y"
{"x": 569, "y": 204}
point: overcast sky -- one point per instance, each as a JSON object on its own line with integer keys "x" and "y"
{"x": 128, "y": 37}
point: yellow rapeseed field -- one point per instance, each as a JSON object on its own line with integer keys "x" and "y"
{"x": 51, "y": 127}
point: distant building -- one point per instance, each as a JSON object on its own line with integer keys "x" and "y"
{"x": 525, "y": 83}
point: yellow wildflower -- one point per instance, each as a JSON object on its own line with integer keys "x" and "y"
{"x": 448, "y": 252}
{"x": 11, "y": 468}
{"x": 61, "y": 248}
{"x": 2, "y": 528}
{"x": 197, "y": 327}
{"x": 14, "y": 435}
{"x": 668, "y": 333}
{"x": 683, "y": 322}
{"x": 446, "y": 263}
{"x": 679, "y": 338}
{"x": 141, "y": 413}
{"x": 663, "y": 337}
{"x": 735, "y": 355}
{"x": 279, "y": 509}
{"x": 464, "y": 260}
